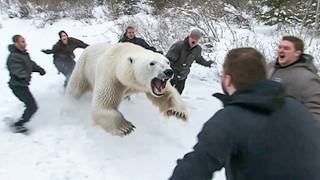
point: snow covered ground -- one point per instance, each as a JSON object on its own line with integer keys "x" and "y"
{"x": 64, "y": 145}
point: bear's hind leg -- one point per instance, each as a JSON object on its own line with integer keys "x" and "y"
{"x": 77, "y": 84}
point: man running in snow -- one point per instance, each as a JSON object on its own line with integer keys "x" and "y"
{"x": 63, "y": 56}
{"x": 130, "y": 36}
{"x": 182, "y": 54}
{"x": 20, "y": 68}
{"x": 259, "y": 134}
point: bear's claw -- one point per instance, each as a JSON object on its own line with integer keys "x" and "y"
{"x": 180, "y": 115}
{"x": 124, "y": 129}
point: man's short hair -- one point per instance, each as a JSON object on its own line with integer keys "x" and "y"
{"x": 298, "y": 43}
{"x": 129, "y": 27}
{"x": 60, "y": 33}
{"x": 245, "y": 65}
{"x": 16, "y": 38}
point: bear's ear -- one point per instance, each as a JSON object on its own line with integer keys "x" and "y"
{"x": 130, "y": 60}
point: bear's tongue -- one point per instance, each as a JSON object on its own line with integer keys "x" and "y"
{"x": 159, "y": 86}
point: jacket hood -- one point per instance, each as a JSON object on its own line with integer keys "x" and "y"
{"x": 263, "y": 96}
{"x": 306, "y": 61}
{"x": 12, "y": 48}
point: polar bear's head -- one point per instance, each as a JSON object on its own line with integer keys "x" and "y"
{"x": 152, "y": 72}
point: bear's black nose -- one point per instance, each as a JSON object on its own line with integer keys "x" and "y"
{"x": 168, "y": 72}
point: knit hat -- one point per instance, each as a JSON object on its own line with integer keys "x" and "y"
{"x": 196, "y": 33}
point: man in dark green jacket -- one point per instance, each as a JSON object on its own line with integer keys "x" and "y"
{"x": 63, "y": 56}
{"x": 20, "y": 67}
{"x": 181, "y": 56}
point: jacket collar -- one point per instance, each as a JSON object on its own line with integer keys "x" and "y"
{"x": 13, "y": 49}
{"x": 305, "y": 61}
{"x": 300, "y": 60}
{"x": 262, "y": 96}
{"x": 125, "y": 38}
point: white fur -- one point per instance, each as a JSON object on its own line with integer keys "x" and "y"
{"x": 113, "y": 71}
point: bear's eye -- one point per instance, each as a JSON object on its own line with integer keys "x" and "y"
{"x": 152, "y": 64}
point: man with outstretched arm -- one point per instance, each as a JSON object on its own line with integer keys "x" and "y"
{"x": 260, "y": 134}
{"x": 182, "y": 54}
{"x": 63, "y": 56}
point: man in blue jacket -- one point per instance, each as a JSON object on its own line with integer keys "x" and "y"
{"x": 259, "y": 134}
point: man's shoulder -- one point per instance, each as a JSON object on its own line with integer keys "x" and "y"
{"x": 74, "y": 40}
{"x": 302, "y": 74}
{"x": 139, "y": 40}
{"x": 123, "y": 39}
{"x": 178, "y": 44}
{"x": 197, "y": 49}
{"x": 300, "y": 113}
{"x": 15, "y": 56}
{"x": 298, "y": 71}
{"x": 228, "y": 120}
{"x": 226, "y": 114}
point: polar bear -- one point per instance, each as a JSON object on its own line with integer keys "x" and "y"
{"x": 113, "y": 71}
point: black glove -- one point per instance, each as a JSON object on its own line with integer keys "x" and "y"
{"x": 42, "y": 72}
{"x": 46, "y": 51}
{"x": 210, "y": 62}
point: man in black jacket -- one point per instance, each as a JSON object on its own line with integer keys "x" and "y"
{"x": 259, "y": 134}
{"x": 63, "y": 56}
{"x": 20, "y": 68}
{"x": 129, "y": 36}
{"x": 182, "y": 54}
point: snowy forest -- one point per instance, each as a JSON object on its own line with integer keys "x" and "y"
{"x": 165, "y": 21}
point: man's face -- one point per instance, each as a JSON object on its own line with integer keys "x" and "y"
{"x": 21, "y": 44}
{"x": 130, "y": 33}
{"x": 193, "y": 41}
{"x": 287, "y": 53}
{"x": 64, "y": 38}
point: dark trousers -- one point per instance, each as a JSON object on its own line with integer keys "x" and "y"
{"x": 178, "y": 84}
{"x": 65, "y": 65}
{"x": 23, "y": 94}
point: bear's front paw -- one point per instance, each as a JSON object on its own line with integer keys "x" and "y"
{"x": 123, "y": 129}
{"x": 178, "y": 114}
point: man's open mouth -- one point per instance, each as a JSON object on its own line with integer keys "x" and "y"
{"x": 282, "y": 56}
{"x": 158, "y": 86}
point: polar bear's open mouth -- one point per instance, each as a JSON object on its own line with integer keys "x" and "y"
{"x": 158, "y": 86}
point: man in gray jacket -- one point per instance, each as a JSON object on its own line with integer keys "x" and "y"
{"x": 181, "y": 56}
{"x": 20, "y": 68}
{"x": 297, "y": 72}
